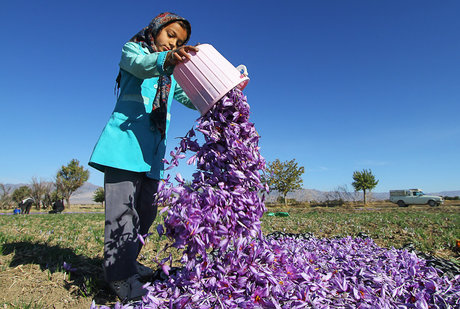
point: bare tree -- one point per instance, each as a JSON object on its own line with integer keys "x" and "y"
{"x": 48, "y": 188}
{"x": 5, "y": 197}
{"x": 38, "y": 191}
{"x": 345, "y": 194}
{"x": 332, "y": 195}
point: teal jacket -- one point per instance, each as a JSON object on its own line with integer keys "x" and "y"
{"x": 128, "y": 141}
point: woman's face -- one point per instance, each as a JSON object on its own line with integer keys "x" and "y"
{"x": 170, "y": 37}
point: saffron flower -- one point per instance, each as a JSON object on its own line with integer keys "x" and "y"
{"x": 228, "y": 263}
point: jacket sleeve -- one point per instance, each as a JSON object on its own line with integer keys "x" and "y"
{"x": 181, "y": 96}
{"x": 141, "y": 65}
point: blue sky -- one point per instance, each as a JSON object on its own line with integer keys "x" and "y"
{"x": 337, "y": 85}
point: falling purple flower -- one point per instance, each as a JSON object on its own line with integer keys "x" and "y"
{"x": 228, "y": 263}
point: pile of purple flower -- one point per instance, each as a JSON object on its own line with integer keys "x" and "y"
{"x": 228, "y": 263}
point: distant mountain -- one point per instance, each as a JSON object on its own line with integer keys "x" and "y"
{"x": 447, "y": 193}
{"x": 11, "y": 187}
{"x": 87, "y": 187}
{"x": 84, "y": 194}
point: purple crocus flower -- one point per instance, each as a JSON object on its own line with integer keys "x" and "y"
{"x": 68, "y": 267}
{"x": 227, "y": 262}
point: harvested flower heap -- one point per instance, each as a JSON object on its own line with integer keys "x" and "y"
{"x": 227, "y": 261}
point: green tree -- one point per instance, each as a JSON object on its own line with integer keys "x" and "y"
{"x": 21, "y": 193}
{"x": 56, "y": 196}
{"x": 364, "y": 180}
{"x": 69, "y": 178}
{"x": 99, "y": 196}
{"x": 284, "y": 177}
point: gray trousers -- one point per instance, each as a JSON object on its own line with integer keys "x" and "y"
{"x": 129, "y": 211}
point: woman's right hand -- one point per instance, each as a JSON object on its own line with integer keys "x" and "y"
{"x": 179, "y": 54}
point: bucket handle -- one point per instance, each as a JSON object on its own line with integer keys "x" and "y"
{"x": 242, "y": 69}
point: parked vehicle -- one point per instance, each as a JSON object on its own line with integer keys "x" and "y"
{"x": 414, "y": 197}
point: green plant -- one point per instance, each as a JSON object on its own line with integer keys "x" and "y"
{"x": 21, "y": 193}
{"x": 99, "y": 196}
{"x": 364, "y": 181}
{"x": 71, "y": 177}
{"x": 284, "y": 177}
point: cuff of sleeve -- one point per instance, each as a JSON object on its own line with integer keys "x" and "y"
{"x": 161, "y": 62}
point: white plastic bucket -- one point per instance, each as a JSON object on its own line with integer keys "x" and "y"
{"x": 208, "y": 76}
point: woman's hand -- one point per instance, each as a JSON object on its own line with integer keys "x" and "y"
{"x": 179, "y": 54}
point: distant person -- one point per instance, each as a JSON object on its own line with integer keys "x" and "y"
{"x": 25, "y": 205}
{"x": 132, "y": 146}
{"x": 58, "y": 207}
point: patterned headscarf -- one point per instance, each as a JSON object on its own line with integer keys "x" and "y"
{"x": 146, "y": 37}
